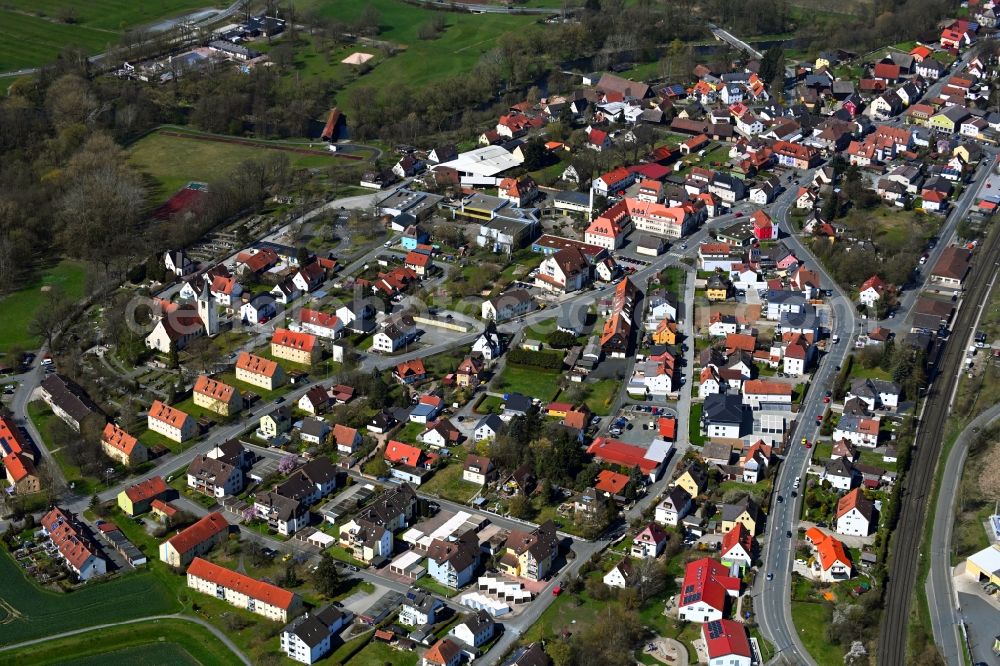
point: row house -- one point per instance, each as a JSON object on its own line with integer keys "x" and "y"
{"x": 242, "y": 591}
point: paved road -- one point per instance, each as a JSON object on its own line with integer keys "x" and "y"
{"x": 772, "y": 598}
{"x": 186, "y": 618}
{"x": 942, "y": 600}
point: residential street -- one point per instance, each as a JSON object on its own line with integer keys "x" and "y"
{"x": 773, "y": 598}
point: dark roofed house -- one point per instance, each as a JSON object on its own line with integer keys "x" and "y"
{"x": 69, "y": 401}
{"x": 617, "y": 84}
{"x": 952, "y": 268}
{"x": 309, "y": 637}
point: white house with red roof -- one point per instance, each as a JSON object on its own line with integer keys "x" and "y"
{"x": 855, "y": 515}
{"x": 226, "y": 290}
{"x": 805, "y": 199}
{"x": 418, "y": 262}
{"x": 726, "y": 643}
{"x": 755, "y": 461}
{"x": 797, "y": 355}
{"x": 871, "y": 291}
{"x": 598, "y": 140}
{"x": 320, "y": 324}
{"x": 705, "y": 590}
{"x": 519, "y": 191}
{"x": 737, "y": 547}
{"x": 608, "y": 229}
{"x": 650, "y": 542}
{"x": 612, "y": 182}
{"x": 760, "y": 392}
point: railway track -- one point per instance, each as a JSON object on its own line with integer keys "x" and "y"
{"x": 904, "y": 562}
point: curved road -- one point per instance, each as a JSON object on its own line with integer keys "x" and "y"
{"x": 941, "y": 598}
{"x": 175, "y": 616}
{"x": 773, "y": 598}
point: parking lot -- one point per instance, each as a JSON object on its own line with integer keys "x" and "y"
{"x": 637, "y": 424}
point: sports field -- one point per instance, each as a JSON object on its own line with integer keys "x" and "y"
{"x": 174, "y": 160}
{"x": 456, "y": 50}
{"x": 154, "y": 642}
{"x": 19, "y": 307}
{"x": 33, "y": 32}
{"x": 28, "y": 612}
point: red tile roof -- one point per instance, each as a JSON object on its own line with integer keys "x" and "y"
{"x": 165, "y": 508}
{"x": 765, "y": 387}
{"x": 668, "y": 427}
{"x": 147, "y": 489}
{"x": 201, "y": 531}
{"x": 169, "y": 415}
{"x": 18, "y": 466}
{"x": 709, "y": 581}
{"x": 414, "y": 258}
{"x": 409, "y": 368}
{"x": 317, "y": 318}
{"x": 442, "y": 652}
{"x": 398, "y": 452}
{"x": 619, "y": 453}
{"x": 738, "y": 535}
{"x": 285, "y": 338}
{"x": 256, "y": 365}
{"x": 118, "y": 439}
{"x": 213, "y": 388}
{"x": 724, "y": 638}
{"x": 829, "y": 549}
{"x": 253, "y": 588}
{"x": 611, "y": 482}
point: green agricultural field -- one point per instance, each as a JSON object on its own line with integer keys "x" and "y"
{"x": 154, "y": 642}
{"x": 28, "y": 612}
{"x": 35, "y": 31}
{"x": 456, "y": 50}
{"x": 174, "y": 161}
{"x": 19, "y": 307}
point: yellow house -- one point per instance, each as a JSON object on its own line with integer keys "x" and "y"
{"x": 216, "y": 396}
{"x": 985, "y": 565}
{"x": 947, "y": 120}
{"x": 295, "y": 347}
{"x": 530, "y": 554}
{"x": 962, "y": 151}
{"x": 139, "y": 498}
{"x": 123, "y": 447}
{"x": 745, "y": 513}
{"x": 693, "y": 480}
{"x": 665, "y": 333}
{"x": 259, "y": 371}
{"x": 717, "y": 289}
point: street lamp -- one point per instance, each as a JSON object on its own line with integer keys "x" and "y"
{"x": 107, "y": 475}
